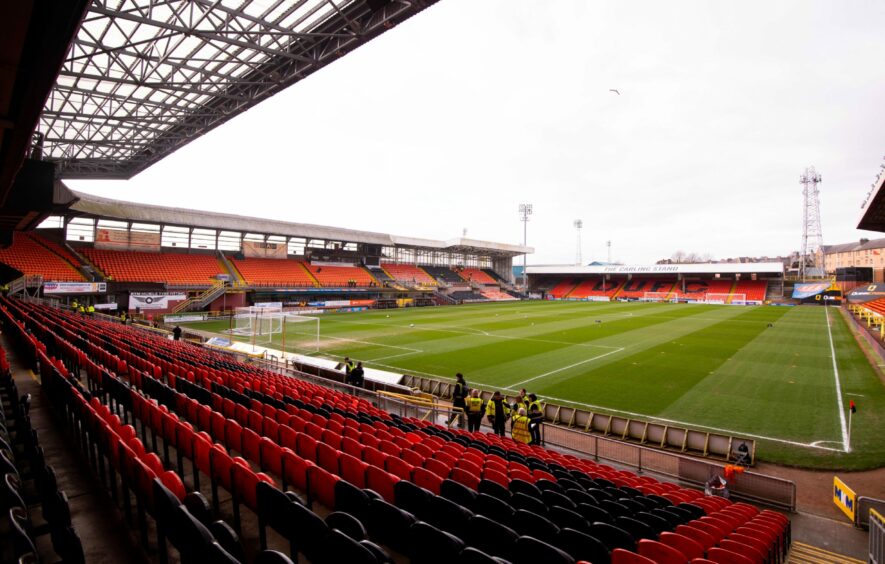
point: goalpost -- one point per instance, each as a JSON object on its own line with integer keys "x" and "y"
{"x": 301, "y": 333}
{"x": 659, "y": 297}
{"x": 737, "y": 299}
{"x": 289, "y": 332}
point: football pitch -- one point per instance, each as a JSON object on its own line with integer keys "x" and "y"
{"x": 782, "y": 375}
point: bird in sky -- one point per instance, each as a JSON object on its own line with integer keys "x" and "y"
{"x": 615, "y": 91}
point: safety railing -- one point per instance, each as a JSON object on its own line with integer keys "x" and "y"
{"x": 866, "y": 506}
{"x": 749, "y": 486}
{"x": 877, "y": 538}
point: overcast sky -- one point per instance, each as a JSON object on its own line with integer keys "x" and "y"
{"x": 452, "y": 119}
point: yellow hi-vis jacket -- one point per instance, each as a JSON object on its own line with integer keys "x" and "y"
{"x": 490, "y": 408}
{"x": 473, "y": 405}
{"x": 520, "y": 431}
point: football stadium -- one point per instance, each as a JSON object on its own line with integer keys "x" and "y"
{"x": 220, "y": 382}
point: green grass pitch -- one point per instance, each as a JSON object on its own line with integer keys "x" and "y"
{"x": 710, "y": 367}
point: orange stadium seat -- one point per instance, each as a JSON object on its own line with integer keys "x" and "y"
{"x": 335, "y": 276}
{"x": 478, "y": 276}
{"x": 168, "y": 268}
{"x": 408, "y": 273}
{"x": 596, "y": 287}
{"x": 32, "y": 258}
{"x": 698, "y": 289}
{"x": 637, "y": 287}
{"x": 562, "y": 288}
{"x": 497, "y": 295}
{"x": 274, "y": 272}
{"x": 754, "y": 289}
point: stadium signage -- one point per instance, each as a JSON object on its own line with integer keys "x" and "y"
{"x": 74, "y": 287}
{"x": 844, "y": 498}
{"x": 866, "y": 293}
{"x": 654, "y": 269}
{"x": 153, "y": 300}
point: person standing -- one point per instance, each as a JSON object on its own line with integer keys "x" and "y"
{"x": 522, "y": 401}
{"x": 536, "y": 418}
{"x": 348, "y": 367}
{"x": 520, "y": 430}
{"x": 474, "y": 410}
{"x": 498, "y": 413}
{"x": 459, "y": 397}
{"x": 356, "y": 375}
{"x": 176, "y": 333}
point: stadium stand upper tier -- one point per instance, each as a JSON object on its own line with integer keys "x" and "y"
{"x": 31, "y": 256}
{"x": 436, "y": 493}
{"x": 174, "y": 269}
{"x": 341, "y": 276}
{"x": 408, "y": 274}
{"x": 477, "y": 275}
{"x": 444, "y": 273}
{"x": 754, "y": 290}
{"x": 274, "y": 272}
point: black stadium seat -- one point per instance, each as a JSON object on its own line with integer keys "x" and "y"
{"x": 637, "y": 529}
{"x": 491, "y": 537}
{"x": 582, "y": 546}
{"x": 494, "y": 509}
{"x": 594, "y": 513}
{"x": 563, "y": 517}
{"x": 530, "y": 550}
{"x": 433, "y": 546}
{"x": 447, "y": 515}
{"x": 526, "y": 523}
{"x": 494, "y": 489}
{"x": 389, "y": 525}
{"x": 530, "y": 504}
{"x": 457, "y": 492}
{"x": 612, "y": 536}
{"x": 339, "y": 547}
{"x": 411, "y": 497}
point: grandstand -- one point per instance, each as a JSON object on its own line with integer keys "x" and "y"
{"x": 748, "y": 282}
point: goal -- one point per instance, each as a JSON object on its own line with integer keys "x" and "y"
{"x": 301, "y": 333}
{"x": 659, "y": 297}
{"x": 737, "y": 299}
{"x": 260, "y": 324}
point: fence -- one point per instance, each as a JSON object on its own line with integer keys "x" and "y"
{"x": 748, "y": 486}
{"x": 877, "y": 538}
{"x": 866, "y": 506}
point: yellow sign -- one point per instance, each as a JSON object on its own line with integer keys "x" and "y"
{"x": 844, "y": 498}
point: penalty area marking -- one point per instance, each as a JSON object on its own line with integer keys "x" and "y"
{"x": 585, "y": 361}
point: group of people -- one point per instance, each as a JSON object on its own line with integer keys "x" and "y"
{"x": 83, "y": 309}
{"x": 525, "y": 414}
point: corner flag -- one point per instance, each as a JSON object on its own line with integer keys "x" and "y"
{"x": 852, "y": 407}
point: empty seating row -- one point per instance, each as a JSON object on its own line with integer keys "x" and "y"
{"x": 175, "y": 269}
{"x": 408, "y": 274}
{"x": 754, "y": 290}
{"x": 274, "y": 272}
{"x": 32, "y": 258}
{"x": 596, "y": 287}
{"x": 477, "y": 275}
{"x": 341, "y": 276}
{"x": 29, "y": 486}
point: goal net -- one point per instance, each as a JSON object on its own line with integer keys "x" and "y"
{"x": 659, "y": 297}
{"x": 301, "y": 334}
{"x": 711, "y": 298}
{"x": 258, "y": 323}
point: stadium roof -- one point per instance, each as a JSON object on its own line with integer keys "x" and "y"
{"x": 107, "y": 208}
{"x": 873, "y": 211}
{"x": 704, "y": 268}
{"x": 143, "y": 78}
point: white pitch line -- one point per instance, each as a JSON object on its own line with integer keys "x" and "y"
{"x": 845, "y": 446}
{"x": 371, "y": 343}
{"x": 388, "y": 357}
{"x": 585, "y": 361}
